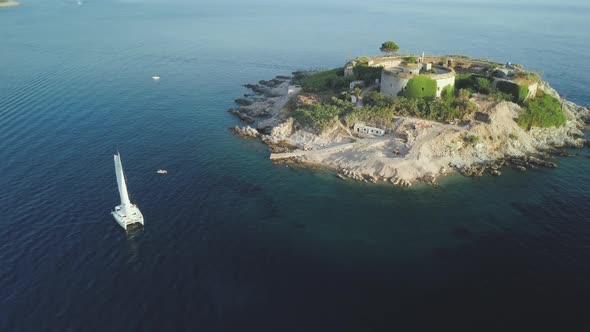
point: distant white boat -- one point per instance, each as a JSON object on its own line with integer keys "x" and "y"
{"x": 155, "y": 78}
{"x": 126, "y": 213}
{"x": 162, "y": 171}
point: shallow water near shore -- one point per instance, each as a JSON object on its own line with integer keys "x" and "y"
{"x": 233, "y": 242}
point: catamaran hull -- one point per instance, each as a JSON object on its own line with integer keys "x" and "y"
{"x": 133, "y": 217}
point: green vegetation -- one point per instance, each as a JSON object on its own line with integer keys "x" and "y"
{"x": 543, "y": 111}
{"x": 441, "y": 109}
{"x": 420, "y": 87}
{"x": 492, "y": 68}
{"x": 389, "y": 47}
{"x": 474, "y": 83}
{"x": 483, "y": 85}
{"x": 323, "y": 81}
{"x": 464, "y": 94}
{"x": 527, "y": 75}
{"x": 364, "y": 72}
{"x": 518, "y": 92}
{"x": 448, "y": 91}
{"x": 417, "y": 99}
{"x": 500, "y": 96}
{"x": 411, "y": 59}
{"x": 374, "y": 98}
{"x": 380, "y": 110}
{"x": 379, "y": 116}
{"x": 318, "y": 116}
{"x": 463, "y": 81}
{"x": 334, "y": 80}
{"x": 471, "y": 139}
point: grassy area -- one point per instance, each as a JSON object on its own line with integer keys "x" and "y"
{"x": 527, "y": 76}
{"x": 326, "y": 80}
{"x": 334, "y": 79}
{"x": 543, "y": 111}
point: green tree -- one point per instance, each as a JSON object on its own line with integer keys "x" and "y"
{"x": 389, "y": 47}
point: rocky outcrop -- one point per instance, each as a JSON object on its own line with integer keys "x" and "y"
{"x": 246, "y": 131}
{"x": 242, "y": 115}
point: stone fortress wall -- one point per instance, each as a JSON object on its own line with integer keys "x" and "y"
{"x": 395, "y": 79}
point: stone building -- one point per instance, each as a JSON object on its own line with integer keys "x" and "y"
{"x": 396, "y": 79}
{"x": 361, "y": 128}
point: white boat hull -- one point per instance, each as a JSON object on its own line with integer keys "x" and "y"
{"x": 133, "y": 217}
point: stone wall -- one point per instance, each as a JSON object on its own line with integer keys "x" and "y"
{"x": 393, "y": 82}
{"x": 385, "y": 62}
{"x": 442, "y": 83}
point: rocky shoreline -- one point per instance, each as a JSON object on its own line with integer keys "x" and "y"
{"x": 413, "y": 150}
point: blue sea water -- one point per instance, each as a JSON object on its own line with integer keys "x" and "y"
{"x": 234, "y": 243}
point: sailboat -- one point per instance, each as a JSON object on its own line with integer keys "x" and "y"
{"x": 126, "y": 213}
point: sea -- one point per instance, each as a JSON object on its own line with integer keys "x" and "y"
{"x": 233, "y": 242}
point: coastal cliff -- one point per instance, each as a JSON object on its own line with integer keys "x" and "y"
{"x": 490, "y": 132}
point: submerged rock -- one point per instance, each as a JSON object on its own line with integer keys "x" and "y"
{"x": 243, "y": 102}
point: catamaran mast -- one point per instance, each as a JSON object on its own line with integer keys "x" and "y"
{"x": 125, "y": 202}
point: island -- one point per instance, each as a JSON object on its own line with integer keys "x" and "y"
{"x": 405, "y": 118}
{"x": 8, "y": 3}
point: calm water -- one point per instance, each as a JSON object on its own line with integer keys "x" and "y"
{"x": 235, "y": 243}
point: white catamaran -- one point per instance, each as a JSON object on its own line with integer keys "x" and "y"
{"x": 126, "y": 213}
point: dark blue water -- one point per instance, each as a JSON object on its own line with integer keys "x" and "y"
{"x": 233, "y": 242}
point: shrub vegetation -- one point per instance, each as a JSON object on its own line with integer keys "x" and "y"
{"x": 471, "y": 139}
{"x": 474, "y": 83}
{"x": 379, "y": 116}
{"x": 327, "y": 80}
{"x": 318, "y": 116}
{"x": 364, "y": 72}
{"x": 527, "y": 75}
{"x": 374, "y": 98}
{"x": 543, "y": 111}
{"x": 411, "y": 59}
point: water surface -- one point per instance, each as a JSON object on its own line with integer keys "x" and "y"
{"x": 233, "y": 242}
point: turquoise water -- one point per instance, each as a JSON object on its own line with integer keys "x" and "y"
{"x": 233, "y": 242}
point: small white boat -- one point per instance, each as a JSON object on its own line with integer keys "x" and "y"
{"x": 155, "y": 78}
{"x": 162, "y": 171}
{"x": 126, "y": 213}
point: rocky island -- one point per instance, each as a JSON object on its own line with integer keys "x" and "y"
{"x": 403, "y": 119}
{"x": 8, "y": 3}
